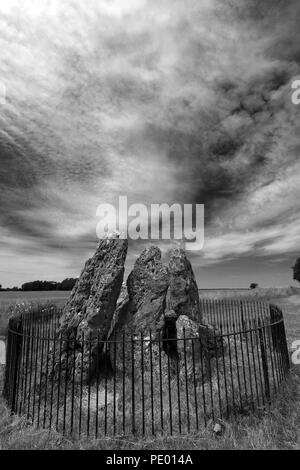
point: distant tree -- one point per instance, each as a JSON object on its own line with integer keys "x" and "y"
{"x": 253, "y": 285}
{"x": 0, "y": 286}
{"x": 40, "y": 286}
{"x": 296, "y": 270}
{"x": 67, "y": 284}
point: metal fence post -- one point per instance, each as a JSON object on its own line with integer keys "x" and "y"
{"x": 16, "y": 365}
{"x": 264, "y": 361}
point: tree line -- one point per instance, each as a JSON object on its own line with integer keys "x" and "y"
{"x": 66, "y": 284}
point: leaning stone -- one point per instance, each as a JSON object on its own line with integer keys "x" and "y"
{"x": 87, "y": 316}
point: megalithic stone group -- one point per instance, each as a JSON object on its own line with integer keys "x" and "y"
{"x": 101, "y": 307}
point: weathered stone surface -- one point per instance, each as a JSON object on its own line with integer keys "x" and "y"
{"x": 198, "y": 344}
{"x": 143, "y": 309}
{"x": 157, "y": 297}
{"x": 88, "y": 314}
{"x": 93, "y": 300}
{"x": 209, "y": 339}
{"x": 147, "y": 287}
{"x": 185, "y": 327}
{"x": 119, "y": 319}
{"x": 182, "y": 297}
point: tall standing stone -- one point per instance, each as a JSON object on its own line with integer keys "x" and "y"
{"x": 183, "y": 296}
{"x": 147, "y": 287}
{"x": 89, "y": 311}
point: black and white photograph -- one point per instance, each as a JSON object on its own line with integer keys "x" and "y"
{"x": 149, "y": 227}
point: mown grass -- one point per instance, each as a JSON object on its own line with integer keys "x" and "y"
{"x": 275, "y": 428}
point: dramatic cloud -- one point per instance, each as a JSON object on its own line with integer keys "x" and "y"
{"x": 164, "y": 101}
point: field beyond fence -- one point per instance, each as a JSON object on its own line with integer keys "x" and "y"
{"x": 145, "y": 383}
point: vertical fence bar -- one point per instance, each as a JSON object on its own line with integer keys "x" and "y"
{"x": 105, "y": 394}
{"x": 208, "y": 362}
{"x": 123, "y": 382}
{"x": 89, "y": 377}
{"x": 67, "y": 348}
{"x": 8, "y": 362}
{"x": 18, "y": 357}
{"x": 237, "y": 364}
{"x": 151, "y": 384}
{"x": 12, "y": 370}
{"x": 243, "y": 323}
{"x": 36, "y": 352}
{"x": 170, "y": 393}
{"x": 114, "y": 384}
{"x": 275, "y": 342}
{"x": 253, "y": 360}
{"x": 256, "y": 329}
{"x": 195, "y": 385}
{"x": 142, "y": 382}
{"x": 178, "y": 389}
{"x": 249, "y": 362}
{"x": 217, "y": 370}
{"x": 269, "y": 347}
{"x": 224, "y": 370}
{"x": 160, "y": 382}
{"x": 73, "y": 384}
{"x": 41, "y": 370}
{"x": 97, "y": 383}
{"x": 132, "y": 385}
{"x": 59, "y": 382}
{"x": 21, "y": 367}
{"x": 27, "y": 356}
{"x": 230, "y": 367}
{"x": 202, "y": 377}
{"x": 264, "y": 363}
{"x": 52, "y": 381}
{"x": 46, "y": 376}
{"x": 242, "y": 328}
{"x": 81, "y": 382}
{"x": 186, "y": 382}
{"x": 286, "y": 351}
{"x": 281, "y": 350}
{"x": 106, "y": 391}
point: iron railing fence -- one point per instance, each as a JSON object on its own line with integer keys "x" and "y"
{"x": 145, "y": 382}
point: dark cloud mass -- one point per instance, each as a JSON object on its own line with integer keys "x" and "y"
{"x": 164, "y": 101}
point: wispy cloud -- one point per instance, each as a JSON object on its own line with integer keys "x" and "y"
{"x": 164, "y": 101}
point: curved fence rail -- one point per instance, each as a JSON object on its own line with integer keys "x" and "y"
{"x": 147, "y": 382}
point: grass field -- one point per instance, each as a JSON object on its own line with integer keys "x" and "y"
{"x": 276, "y": 428}
{"x": 9, "y": 301}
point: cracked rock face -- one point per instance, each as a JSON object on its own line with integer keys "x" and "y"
{"x": 147, "y": 287}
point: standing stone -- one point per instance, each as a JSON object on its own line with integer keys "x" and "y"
{"x": 144, "y": 307}
{"x": 183, "y": 296}
{"x": 89, "y": 311}
{"x": 199, "y": 343}
{"x": 147, "y": 287}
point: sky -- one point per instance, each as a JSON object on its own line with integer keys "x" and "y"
{"x": 162, "y": 101}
